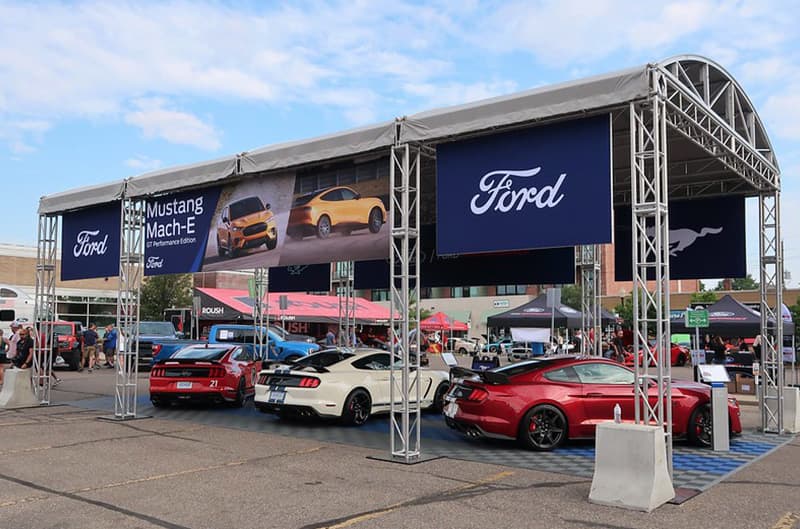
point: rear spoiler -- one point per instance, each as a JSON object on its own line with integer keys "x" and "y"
{"x": 489, "y": 377}
{"x": 187, "y": 361}
{"x": 270, "y": 364}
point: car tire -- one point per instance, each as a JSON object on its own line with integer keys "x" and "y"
{"x": 543, "y": 428}
{"x": 492, "y": 349}
{"x": 238, "y": 402}
{"x": 357, "y": 408}
{"x": 232, "y": 252}
{"x": 220, "y": 251}
{"x": 159, "y": 402}
{"x": 75, "y": 362}
{"x": 462, "y": 351}
{"x": 699, "y": 429}
{"x": 271, "y": 244}
{"x": 681, "y": 360}
{"x": 324, "y": 227}
{"x": 438, "y": 397}
{"x": 375, "y": 220}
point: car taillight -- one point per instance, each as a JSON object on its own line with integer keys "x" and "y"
{"x": 262, "y": 379}
{"x": 156, "y": 349}
{"x": 309, "y": 382}
{"x": 157, "y": 372}
{"x": 477, "y": 395}
{"x": 216, "y": 372}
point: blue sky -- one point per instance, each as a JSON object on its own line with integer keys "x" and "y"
{"x": 92, "y": 92}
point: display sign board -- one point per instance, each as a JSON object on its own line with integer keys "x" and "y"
{"x": 282, "y": 219}
{"x": 710, "y": 373}
{"x": 696, "y": 318}
{"x": 90, "y": 242}
{"x": 706, "y": 239}
{"x": 541, "y": 187}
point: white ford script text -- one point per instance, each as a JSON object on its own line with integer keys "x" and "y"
{"x": 87, "y": 246}
{"x": 497, "y": 186}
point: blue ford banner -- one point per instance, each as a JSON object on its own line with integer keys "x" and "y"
{"x": 550, "y": 266}
{"x": 706, "y": 239}
{"x": 176, "y": 231}
{"x": 90, "y": 242}
{"x": 541, "y": 187}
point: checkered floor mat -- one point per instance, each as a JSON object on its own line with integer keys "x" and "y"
{"x": 694, "y": 468}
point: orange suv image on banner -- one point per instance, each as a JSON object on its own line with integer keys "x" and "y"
{"x": 246, "y": 223}
{"x": 337, "y": 209}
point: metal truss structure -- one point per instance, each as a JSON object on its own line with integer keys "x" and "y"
{"x": 261, "y": 309}
{"x": 343, "y": 277}
{"x": 588, "y": 260}
{"x": 45, "y": 307}
{"x": 650, "y": 240}
{"x": 131, "y": 274}
{"x": 404, "y": 221}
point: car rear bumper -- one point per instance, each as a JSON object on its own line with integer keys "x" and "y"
{"x": 297, "y": 398}
{"x": 211, "y": 397}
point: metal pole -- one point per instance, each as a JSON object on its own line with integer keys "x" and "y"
{"x": 261, "y": 311}
{"x": 44, "y": 311}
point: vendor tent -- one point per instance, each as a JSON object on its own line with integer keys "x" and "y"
{"x": 536, "y": 313}
{"x": 229, "y": 304}
{"x": 442, "y": 322}
{"x": 727, "y": 317}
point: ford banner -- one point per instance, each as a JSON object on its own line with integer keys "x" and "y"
{"x": 90, "y": 242}
{"x": 706, "y": 239}
{"x": 541, "y": 187}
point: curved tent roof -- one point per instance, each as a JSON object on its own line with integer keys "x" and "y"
{"x": 729, "y": 318}
{"x": 536, "y": 313}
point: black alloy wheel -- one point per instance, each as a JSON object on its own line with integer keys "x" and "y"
{"x": 232, "y": 252}
{"x": 357, "y": 408}
{"x": 462, "y": 351}
{"x": 159, "y": 402}
{"x": 543, "y": 428}
{"x": 699, "y": 430}
{"x": 438, "y": 397}
{"x": 271, "y": 244}
{"x": 375, "y": 220}
{"x": 324, "y": 227}
{"x": 220, "y": 251}
{"x": 681, "y": 360}
{"x": 240, "y": 395}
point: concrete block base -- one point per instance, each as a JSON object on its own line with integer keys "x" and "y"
{"x": 630, "y": 467}
{"x": 17, "y": 389}
{"x": 791, "y": 409}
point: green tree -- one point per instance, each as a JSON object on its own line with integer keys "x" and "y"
{"x": 795, "y": 310}
{"x": 163, "y": 292}
{"x": 704, "y": 297}
{"x": 572, "y": 296}
{"x": 625, "y": 310}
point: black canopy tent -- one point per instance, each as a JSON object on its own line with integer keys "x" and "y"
{"x": 536, "y": 313}
{"x": 729, "y": 318}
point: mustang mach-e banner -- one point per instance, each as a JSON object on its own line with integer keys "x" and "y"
{"x": 706, "y": 239}
{"x": 541, "y": 187}
{"x": 280, "y": 220}
{"x": 90, "y": 242}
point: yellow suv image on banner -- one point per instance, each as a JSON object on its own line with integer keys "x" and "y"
{"x": 337, "y": 209}
{"x": 246, "y": 223}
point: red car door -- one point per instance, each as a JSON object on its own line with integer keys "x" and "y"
{"x": 605, "y": 385}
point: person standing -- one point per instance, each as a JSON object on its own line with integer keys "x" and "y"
{"x": 13, "y": 340}
{"x": 110, "y": 344}
{"x": 718, "y": 346}
{"x": 330, "y": 338}
{"x": 90, "y": 346}
{"x": 757, "y": 347}
{"x": 3, "y": 358}
{"x": 24, "y": 357}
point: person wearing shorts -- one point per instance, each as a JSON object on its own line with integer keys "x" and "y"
{"x": 90, "y": 346}
{"x": 110, "y": 344}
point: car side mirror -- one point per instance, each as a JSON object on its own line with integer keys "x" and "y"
{"x": 268, "y": 206}
{"x": 358, "y": 196}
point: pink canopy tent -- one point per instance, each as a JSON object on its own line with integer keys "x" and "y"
{"x": 442, "y": 322}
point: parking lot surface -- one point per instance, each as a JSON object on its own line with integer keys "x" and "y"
{"x": 61, "y": 467}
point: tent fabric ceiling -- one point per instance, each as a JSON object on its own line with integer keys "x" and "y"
{"x": 81, "y": 198}
{"x": 181, "y": 177}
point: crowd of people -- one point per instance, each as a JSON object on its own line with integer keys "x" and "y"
{"x": 18, "y": 348}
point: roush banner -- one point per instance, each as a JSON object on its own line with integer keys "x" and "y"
{"x": 550, "y": 266}
{"x": 542, "y": 187}
{"x": 90, "y": 242}
{"x": 706, "y": 239}
{"x": 280, "y": 220}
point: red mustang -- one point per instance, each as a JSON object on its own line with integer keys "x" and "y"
{"x": 210, "y": 373}
{"x": 678, "y": 355}
{"x": 544, "y": 402}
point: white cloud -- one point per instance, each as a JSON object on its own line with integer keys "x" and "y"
{"x": 782, "y": 112}
{"x": 143, "y": 163}
{"x": 157, "y": 120}
{"x": 446, "y": 94}
{"x": 19, "y": 147}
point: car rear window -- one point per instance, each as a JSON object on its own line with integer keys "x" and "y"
{"x": 302, "y": 200}
{"x": 200, "y": 353}
{"x": 245, "y": 207}
{"x": 322, "y": 359}
{"x": 157, "y": 328}
{"x": 521, "y": 367}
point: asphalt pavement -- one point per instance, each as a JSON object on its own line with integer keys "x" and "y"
{"x": 62, "y": 467}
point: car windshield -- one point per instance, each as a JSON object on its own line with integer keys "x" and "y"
{"x": 156, "y": 328}
{"x": 62, "y": 330}
{"x": 246, "y": 207}
{"x": 280, "y": 331}
{"x": 201, "y": 353}
{"x": 321, "y": 359}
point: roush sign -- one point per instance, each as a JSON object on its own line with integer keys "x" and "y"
{"x": 541, "y": 187}
{"x": 90, "y": 242}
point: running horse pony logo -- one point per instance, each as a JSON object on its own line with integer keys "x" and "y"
{"x": 682, "y": 238}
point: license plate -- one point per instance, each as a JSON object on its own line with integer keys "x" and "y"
{"x": 276, "y": 397}
{"x": 184, "y": 385}
{"x": 451, "y": 409}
